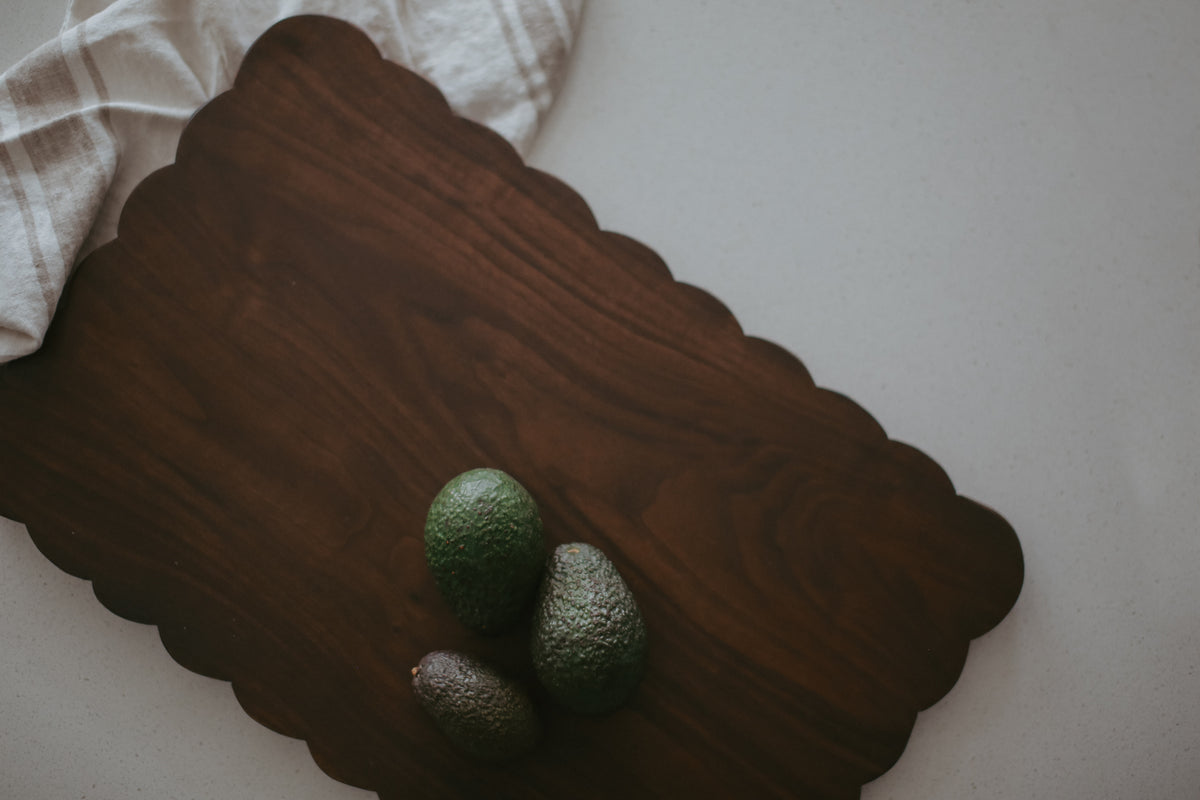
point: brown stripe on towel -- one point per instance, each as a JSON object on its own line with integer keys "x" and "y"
{"x": 50, "y": 147}
{"x": 31, "y": 233}
{"x": 532, "y": 86}
{"x": 57, "y": 136}
{"x": 48, "y": 91}
{"x": 550, "y": 59}
{"x": 89, "y": 63}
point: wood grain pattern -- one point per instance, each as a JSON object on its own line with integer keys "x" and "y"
{"x": 341, "y": 295}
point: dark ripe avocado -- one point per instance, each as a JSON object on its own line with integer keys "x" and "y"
{"x": 481, "y": 711}
{"x": 589, "y": 639}
{"x": 484, "y": 545}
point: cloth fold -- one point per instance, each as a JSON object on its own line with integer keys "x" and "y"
{"x": 87, "y": 116}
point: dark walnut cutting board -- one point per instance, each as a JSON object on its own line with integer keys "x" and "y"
{"x": 340, "y": 296}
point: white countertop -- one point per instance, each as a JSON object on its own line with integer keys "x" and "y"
{"x": 981, "y": 221}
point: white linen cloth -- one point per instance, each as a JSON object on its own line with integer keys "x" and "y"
{"x": 88, "y": 115}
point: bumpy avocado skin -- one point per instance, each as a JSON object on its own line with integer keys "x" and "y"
{"x": 485, "y": 547}
{"x": 484, "y": 713}
{"x": 589, "y": 641}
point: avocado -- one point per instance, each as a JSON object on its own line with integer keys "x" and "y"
{"x": 485, "y": 547}
{"x": 484, "y": 713}
{"x": 588, "y": 638}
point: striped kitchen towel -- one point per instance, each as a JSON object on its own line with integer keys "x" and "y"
{"x": 88, "y": 115}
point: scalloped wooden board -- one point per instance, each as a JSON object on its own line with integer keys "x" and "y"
{"x": 341, "y": 295}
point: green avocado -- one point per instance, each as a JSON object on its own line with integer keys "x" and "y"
{"x": 485, "y": 547}
{"x": 484, "y": 713}
{"x": 588, "y": 639}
